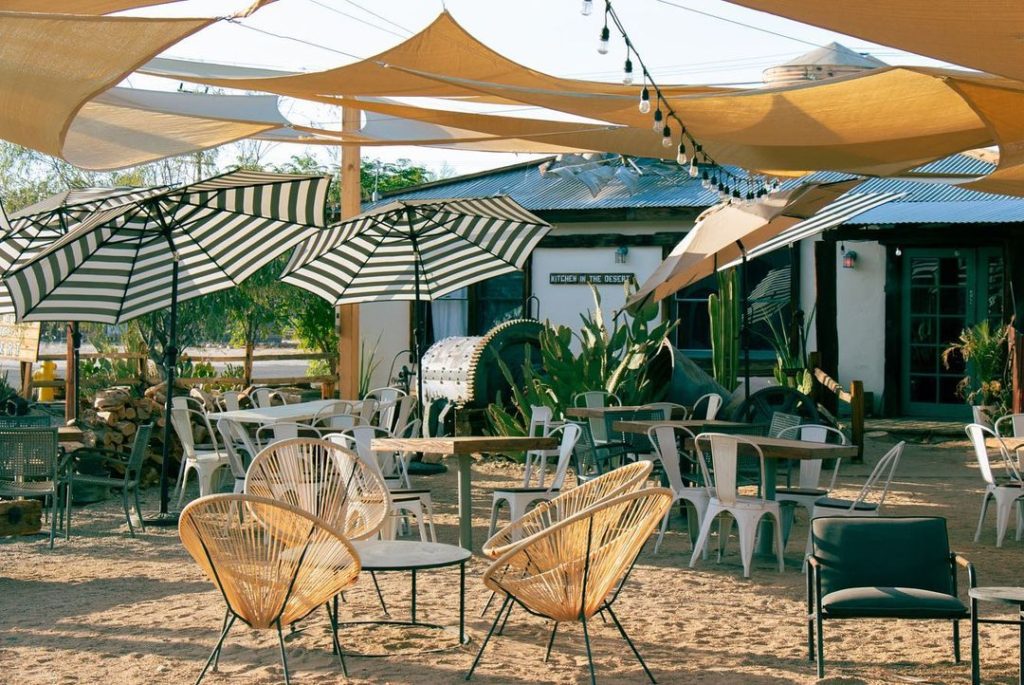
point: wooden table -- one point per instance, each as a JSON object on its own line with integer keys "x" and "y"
{"x": 463, "y": 447}
{"x": 300, "y": 411}
{"x": 1014, "y": 596}
{"x": 599, "y": 412}
{"x": 694, "y": 425}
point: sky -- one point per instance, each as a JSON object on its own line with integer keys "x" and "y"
{"x": 682, "y": 41}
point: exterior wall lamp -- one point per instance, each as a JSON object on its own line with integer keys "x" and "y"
{"x": 849, "y": 259}
{"x": 621, "y": 254}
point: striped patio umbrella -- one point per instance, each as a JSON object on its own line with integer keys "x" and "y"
{"x": 127, "y": 260}
{"x": 416, "y": 250}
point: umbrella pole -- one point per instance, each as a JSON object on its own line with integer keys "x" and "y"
{"x": 170, "y": 362}
{"x": 76, "y": 340}
{"x": 416, "y": 342}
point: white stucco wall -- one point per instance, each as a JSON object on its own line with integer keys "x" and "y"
{"x": 860, "y": 311}
{"x": 563, "y": 304}
{"x": 390, "y": 321}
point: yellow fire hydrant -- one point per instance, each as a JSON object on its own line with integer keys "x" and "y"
{"x": 47, "y": 373}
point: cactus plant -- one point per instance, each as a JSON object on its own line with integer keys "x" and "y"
{"x": 724, "y": 312}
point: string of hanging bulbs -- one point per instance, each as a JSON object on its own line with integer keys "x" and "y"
{"x": 690, "y": 153}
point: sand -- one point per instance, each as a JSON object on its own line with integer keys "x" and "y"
{"x": 105, "y": 608}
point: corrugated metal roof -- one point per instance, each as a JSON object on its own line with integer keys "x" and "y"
{"x": 667, "y": 185}
{"x": 661, "y": 185}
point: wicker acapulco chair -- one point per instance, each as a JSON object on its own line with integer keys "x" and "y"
{"x": 576, "y": 568}
{"x": 568, "y": 503}
{"x": 273, "y": 563}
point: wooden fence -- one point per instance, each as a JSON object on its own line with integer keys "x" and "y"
{"x": 853, "y": 397}
{"x": 142, "y": 361}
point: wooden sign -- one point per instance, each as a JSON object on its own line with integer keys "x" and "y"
{"x": 595, "y": 279}
{"x": 19, "y": 341}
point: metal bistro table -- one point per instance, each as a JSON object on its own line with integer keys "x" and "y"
{"x": 599, "y": 412}
{"x": 1014, "y": 596}
{"x": 380, "y": 556}
{"x": 463, "y": 447}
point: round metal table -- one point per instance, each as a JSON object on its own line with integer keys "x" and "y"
{"x": 381, "y": 556}
{"x": 1013, "y": 596}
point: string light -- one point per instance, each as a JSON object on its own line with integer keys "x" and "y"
{"x": 645, "y": 101}
{"x": 730, "y": 186}
{"x": 587, "y": 8}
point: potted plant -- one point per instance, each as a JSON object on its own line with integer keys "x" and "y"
{"x": 983, "y": 353}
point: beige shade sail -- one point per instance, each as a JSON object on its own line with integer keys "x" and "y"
{"x": 77, "y": 6}
{"x": 51, "y": 65}
{"x": 724, "y": 232}
{"x": 981, "y": 34}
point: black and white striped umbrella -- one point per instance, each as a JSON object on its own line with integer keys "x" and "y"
{"x": 171, "y": 245}
{"x": 416, "y": 249}
{"x": 32, "y": 229}
{"x": 118, "y": 263}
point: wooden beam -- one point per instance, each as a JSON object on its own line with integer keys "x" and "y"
{"x": 351, "y": 204}
{"x": 826, "y": 321}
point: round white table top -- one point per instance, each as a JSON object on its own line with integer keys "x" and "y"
{"x": 408, "y": 555}
{"x": 1006, "y": 595}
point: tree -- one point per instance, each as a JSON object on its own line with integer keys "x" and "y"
{"x": 257, "y": 308}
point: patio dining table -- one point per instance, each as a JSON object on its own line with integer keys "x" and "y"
{"x": 300, "y": 411}
{"x": 599, "y": 412}
{"x": 464, "y": 447}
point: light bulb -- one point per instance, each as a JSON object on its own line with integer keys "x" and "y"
{"x": 587, "y": 8}
{"x": 658, "y": 118}
{"x": 645, "y": 101}
{"x": 602, "y": 46}
{"x": 694, "y": 169}
{"x": 681, "y": 156}
{"x": 666, "y": 136}
{"x": 627, "y": 73}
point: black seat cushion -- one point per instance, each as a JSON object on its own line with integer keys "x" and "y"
{"x": 803, "y": 491}
{"x": 891, "y": 602}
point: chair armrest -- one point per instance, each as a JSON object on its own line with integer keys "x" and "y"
{"x": 101, "y": 452}
{"x": 955, "y": 560}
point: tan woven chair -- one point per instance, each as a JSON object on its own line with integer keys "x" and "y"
{"x": 273, "y": 563}
{"x": 568, "y": 503}
{"x": 576, "y": 568}
{"x": 325, "y": 480}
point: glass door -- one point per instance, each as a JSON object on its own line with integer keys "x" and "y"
{"x": 944, "y": 291}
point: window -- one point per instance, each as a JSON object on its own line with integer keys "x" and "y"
{"x": 690, "y": 307}
{"x": 478, "y": 308}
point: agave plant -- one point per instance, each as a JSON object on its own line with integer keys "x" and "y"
{"x": 984, "y": 350}
{"x": 612, "y": 358}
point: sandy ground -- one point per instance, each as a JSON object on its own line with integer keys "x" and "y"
{"x": 104, "y": 608}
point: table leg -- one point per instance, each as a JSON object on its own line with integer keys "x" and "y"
{"x": 414, "y": 595}
{"x": 764, "y": 544}
{"x": 462, "y": 603}
{"x": 465, "y": 502}
{"x": 1020, "y": 672}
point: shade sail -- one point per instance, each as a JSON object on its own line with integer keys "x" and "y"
{"x": 724, "y": 232}
{"x": 50, "y": 65}
{"x": 77, "y": 6}
{"x": 981, "y": 34}
{"x": 117, "y": 263}
{"x": 416, "y": 249}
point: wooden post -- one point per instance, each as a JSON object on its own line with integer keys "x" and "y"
{"x": 857, "y": 420}
{"x": 351, "y": 204}
{"x": 826, "y": 320}
{"x": 247, "y": 365}
{"x": 26, "y": 379}
{"x": 70, "y": 377}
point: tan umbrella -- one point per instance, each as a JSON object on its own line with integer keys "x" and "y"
{"x": 726, "y": 232}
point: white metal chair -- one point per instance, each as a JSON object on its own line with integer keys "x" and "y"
{"x": 264, "y": 397}
{"x": 520, "y": 499}
{"x": 666, "y": 448}
{"x": 386, "y": 405}
{"x": 596, "y": 399}
{"x": 808, "y": 489}
{"x": 417, "y": 501}
{"x": 403, "y": 411}
{"x": 230, "y": 400}
{"x": 335, "y": 422}
{"x": 236, "y": 441}
{"x": 724, "y": 497}
{"x": 270, "y": 433}
{"x": 1005, "y": 491}
{"x": 1010, "y": 426}
{"x": 714, "y": 403}
{"x": 204, "y": 462}
{"x": 540, "y": 424}
{"x": 670, "y": 410}
{"x": 864, "y": 503}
